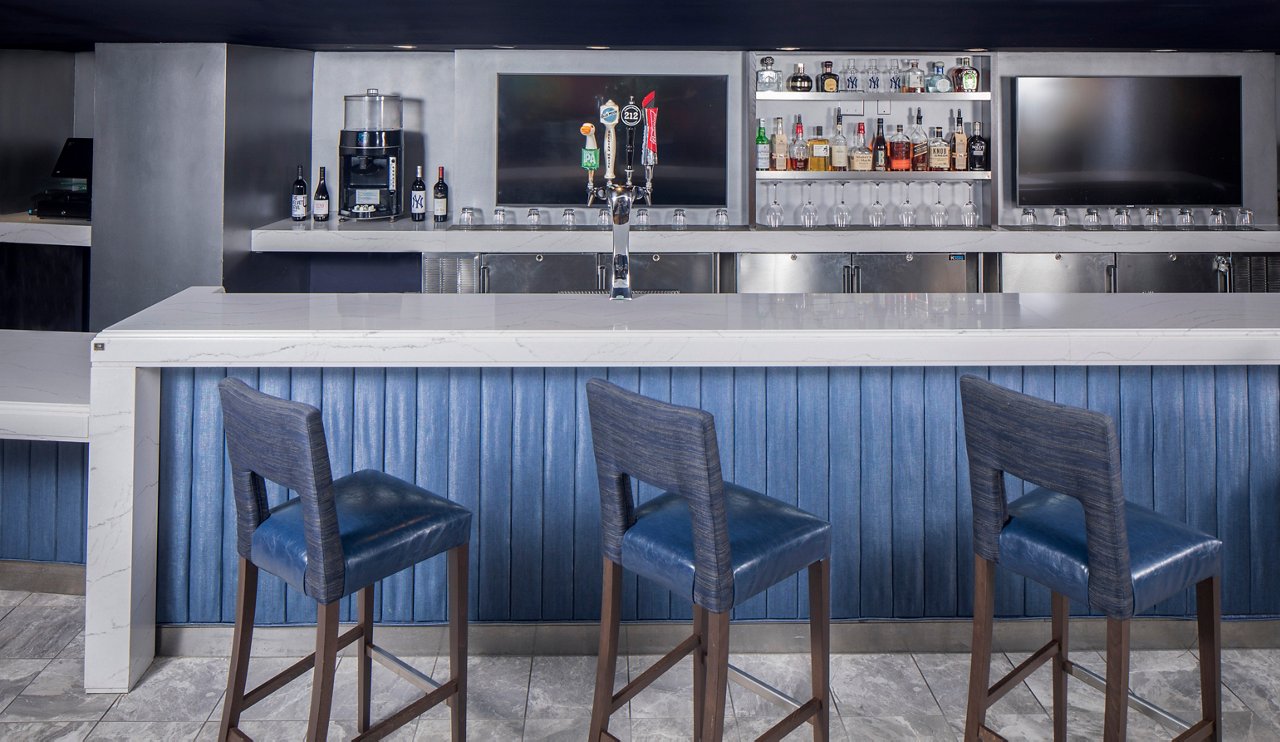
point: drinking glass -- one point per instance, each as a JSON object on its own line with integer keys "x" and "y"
{"x": 641, "y": 220}
{"x": 535, "y": 218}
{"x": 1151, "y": 219}
{"x": 1184, "y": 219}
{"x": 499, "y": 217}
{"x": 1028, "y": 218}
{"x": 906, "y": 210}
{"x": 1060, "y": 219}
{"x": 773, "y": 214}
{"x": 938, "y": 214}
{"x": 679, "y": 220}
{"x": 722, "y": 218}
{"x": 841, "y": 216}
{"x": 1091, "y": 219}
{"x": 603, "y": 219}
{"x": 1120, "y": 219}
{"x": 875, "y": 214}
{"x": 1244, "y": 219}
{"x": 468, "y": 217}
{"x": 969, "y": 212}
{"x": 569, "y": 218}
{"x": 808, "y": 212}
{"x": 1217, "y": 219}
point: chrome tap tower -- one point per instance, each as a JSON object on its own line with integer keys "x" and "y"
{"x": 620, "y": 195}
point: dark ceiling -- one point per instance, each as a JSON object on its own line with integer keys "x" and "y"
{"x": 700, "y": 24}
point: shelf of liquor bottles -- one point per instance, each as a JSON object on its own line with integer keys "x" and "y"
{"x": 873, "y": 176}
{"x": 846, "y": 95}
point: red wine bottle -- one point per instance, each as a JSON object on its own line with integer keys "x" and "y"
{"x": 298, "y": 204}
{"x": 320, "y": 204}
{"x": 418, "y": 198}
{"x": 440, "y": 199}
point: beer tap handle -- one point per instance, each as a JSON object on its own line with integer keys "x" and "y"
{"x": 590, "y": 159}
{"x": 609, "y": 118}
{"x": 631, "y": 118}
{"x": 649, "y": 145}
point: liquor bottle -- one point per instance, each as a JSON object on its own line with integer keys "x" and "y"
{"x": 819, "y": 152}
{"x": 418, "y": 198}
{"x": 919, "y": 142}
{"x": 839, "y": 146}
{"x": 964, "y": 76}
{"x": 872, "y": 76}
{"x": 440, "y": 198}
{"x": 767, "y": 78}
{"x": 913, "y": 78}
{"x": 978, "y": 154}
{"x": 939, "y": 151}
{"x": 762, "y": 147}
{"x": 899, "y": 151}
{"x": 959, "y": 144}
{"x": 778, "y": 158}
{"x": 860, "y": 156}
{"x": 320, "y": 204}
{"x": 895, "y": 77}
{"x": 937, "y": 82}
{"x": 799, "y": 82}
{"x": 298, "y": 203}
{"x": 879, "y": 148}
{"x": 852, "y": 76}
{"x": 798, "y": 158}
{"x": 828, "y": 81}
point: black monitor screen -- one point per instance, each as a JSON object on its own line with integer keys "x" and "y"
{"x": 1103, "y": 141}
{"x": 539, "y": 146}
{"x": 75, "y": 160}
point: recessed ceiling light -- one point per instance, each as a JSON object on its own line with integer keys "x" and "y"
{"x": 502, "y": 46}
{"x": 976, "y": 49}
{"x": 788, "y": 48}
{"x": 405, "y": 46}
{"x": 1164, "y": 50}
{"x": 597, "y": 48}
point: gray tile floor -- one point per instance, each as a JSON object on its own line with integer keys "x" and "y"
{"x": 877, "y": 696}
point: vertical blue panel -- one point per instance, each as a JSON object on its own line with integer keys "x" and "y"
{"x": 230, "y": 555}
{"x": 653, "y": 602}
{"x": 305, "y": 385}
{"x": 940, "y": 492}
{"x": 174, "y": 516}
{"x": 844, "y": 418}
{"x": 750, "y": 440}
{"x": 495, "y": 494}
{"x": 1137, "y": 443}
{"x": 1233, "y": 485}
{"x": 432, "y": 467}
{"x": 271, "y": 589}
{"x": 464, "y": 463}
{"x": 338, "y": 386}
{"x": 813, "y": 456}
{"x": 875, "y": 539}
{"x": 14, "y": 499}
{"x": 686, "y": 390}
{"x": 527, "y": 530}
{"x": 368, "y": 417}
{"x": 1168, "y": 472}
{"x": 587, "y": 558}
{"x": 1037, "y": 381}
{"x": 908, "y": 491}
{"x": 1010, "y": 588}
{"x": 399, "y": 460}
{"x": 964, "y": 503}
{"x": 559, "y": 443}
{"x": 1264, "y": 489}
{"x": 72, "y": 495}
{"x": 781, "y": 439}
{"x": 1200, "y": 442}
{"x": 43, "y": 501}
{"x": 206, "y": 579}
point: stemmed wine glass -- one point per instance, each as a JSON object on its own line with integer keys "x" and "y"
{"x": 969, "y": 212}
{"x": 938, "y": 215}
{"x": 875, "y": 214}
{"x": 773, "y": 214}
{"x": 841, "y": 216}
{"x": 907, "y": 212}
{"x": 808, "y": 212}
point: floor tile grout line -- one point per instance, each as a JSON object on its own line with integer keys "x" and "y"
{"x": 916, "y": 663}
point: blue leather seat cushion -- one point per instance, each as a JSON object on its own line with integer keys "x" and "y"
{"x": 768, "y": 541}
{"x": 384, "y": 524}
{"x": 1044, "y": 541}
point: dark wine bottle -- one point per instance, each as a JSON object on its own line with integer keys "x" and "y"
{"x": 320, "y": 204}
{"x": 440, "y": 199}
{"x": 418, "y": 198}
{"x": 298, "y": 204}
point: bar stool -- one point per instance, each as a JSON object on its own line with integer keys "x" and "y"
{"x": 334, "y": 539}
{"x": 1081, "y": 539}
{"x": 712, "y": 541}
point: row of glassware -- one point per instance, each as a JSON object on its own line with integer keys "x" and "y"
{"x": 842, "y": 216}
{"x": 1152, "y": 218}
{"x": 640, "y": 219}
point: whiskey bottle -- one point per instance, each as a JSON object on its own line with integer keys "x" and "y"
{"x": 852, "y": 76}
{"x": 767, "y": 78}
{"x": 778, "y": 157}
{"x": 839, "y": 146}
{"x": 860, "y": 156}
{"x": 819, "y": 152}
{"x": 879, "y": 148}
{"x": 828, "y": 81}
{"x": 899, "y": 151}
{"x": 939, "y": 151}
{"x": 964, "y": 76}
{"x": 959, "y": 143}
{"x": 978, "y": 153}
{"x": 799, "y": 153}
{"x": 762, "y": 147}
{"x": 919, "y": 142}
{"x": 913, "y": 78}
{"x": 799, "y": 82}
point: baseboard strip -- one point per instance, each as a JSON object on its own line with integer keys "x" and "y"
{"x": 42, "y": 577}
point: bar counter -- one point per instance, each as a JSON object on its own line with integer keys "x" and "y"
{"x": 846, "y": 405}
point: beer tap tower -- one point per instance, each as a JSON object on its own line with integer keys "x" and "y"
{"x": 620, "y": 196}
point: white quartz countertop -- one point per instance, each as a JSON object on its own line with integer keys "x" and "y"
{"x": 33, "y": 230}
{"x": 44, "y": 385}
{"x": 203, "y": 326}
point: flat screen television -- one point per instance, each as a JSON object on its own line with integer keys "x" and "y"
{"x": 1116, "y": 141}
{"x": 539, "y": 145}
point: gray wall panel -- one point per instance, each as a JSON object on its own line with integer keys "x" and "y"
{"x": 159, "y": 112}
{"x": 268, "y": 134}
{"x": 82, "y": 123}
{"x": 36, "y": 93}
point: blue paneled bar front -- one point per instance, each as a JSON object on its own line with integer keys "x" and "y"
{"x": 877, "y": 450}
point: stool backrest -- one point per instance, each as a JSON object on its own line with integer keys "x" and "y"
{"x": 1064, "y": 449}
{"x": 672, "y": 448}
{"x": 274, "y": 439}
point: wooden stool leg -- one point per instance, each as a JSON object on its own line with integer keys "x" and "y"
{"x": 458, "y": 567}
{"x": 699, "y": 668}
{"x": 607, "y": 660}
{"x": 984, "y": 607}
{"x": 717, "y": 676}
{"x": 322, "y": 678}
{"x": 246, "y": 605}
{"x": 364, "y": 662}
{"x": 1060, "y": 616}
{"x": 1117, "y": 704}
{"x": 1209, "y": 623}
{"x": 820, "y": 644}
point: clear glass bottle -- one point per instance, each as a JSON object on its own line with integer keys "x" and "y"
{"x": 899, "y": 151}
{"x": 872, "y": 78}
{"x": 799, "y": 82}
{"x": 828, "y": 81}
{"x": 919, "y": 142}
{"x": 964, "y": 76}
{"x": 798, "y": 157}
{"x": 819, "y": 151}
{"x": 895, "y": 77}
{"x": 939, "y": 151}
{"x": 860, "y": 154}
{"x": 852, "y": 76}
{"x": 937, "y": 81}
{"x": 778, "y": 155}
{"x": 913, "y": 77}
{"x": 767, "y": 78}
{"x": 839, "y": 146}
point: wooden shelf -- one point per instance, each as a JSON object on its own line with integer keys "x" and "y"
{"x": 846, "y": 95}
{"x": 763, "y": 176}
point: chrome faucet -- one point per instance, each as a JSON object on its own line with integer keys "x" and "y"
{"x": 620, "y": 196}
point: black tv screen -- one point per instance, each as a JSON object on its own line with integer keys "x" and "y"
{"x": 1115, "y": 141}
{"x": 539, "y": 146}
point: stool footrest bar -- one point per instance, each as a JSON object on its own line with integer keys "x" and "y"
{"x": 1202, "y": 730}
{"x": 1136, "y": 702}
{"x": 667, "y": 662}
{"x": 1020, "y": 673}
{"x": 806, "y": 712}
{"x": 986, "y": 734}
{"x": 406, "y": 671}
{"x": 761, "y": 688}
{"x": 290, "y": 673}
{"x": 409, "y": 713}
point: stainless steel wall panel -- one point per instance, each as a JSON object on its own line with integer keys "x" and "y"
{"x": 82, "y": 124}
{"x": 36, "y": 93}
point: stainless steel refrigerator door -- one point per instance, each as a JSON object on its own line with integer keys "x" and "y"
{"x": 1069, "y": 273}
{"x": 550, "y": 273}
{"x": 914, "y": 273}
{"x": 1169, "y": 273}
{"x": 792, "y": 273}
{"x": 685, "y": 273}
